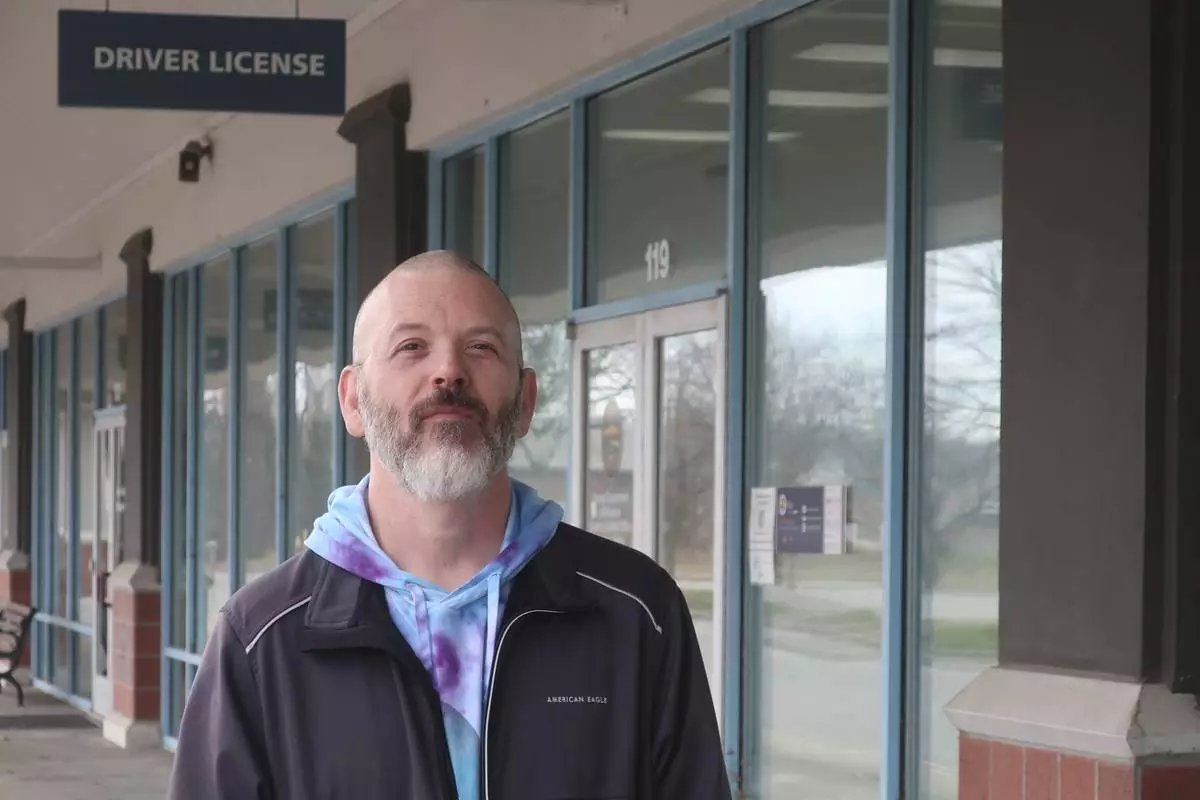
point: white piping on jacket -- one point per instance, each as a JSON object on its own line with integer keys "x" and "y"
{"x": 630, "y": 595}
{"x": 275, "y": 619}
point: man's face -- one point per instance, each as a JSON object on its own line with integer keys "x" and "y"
{"x": 440, "y": 397}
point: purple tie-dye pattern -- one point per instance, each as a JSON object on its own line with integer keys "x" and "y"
{"x": 452, "y": 633}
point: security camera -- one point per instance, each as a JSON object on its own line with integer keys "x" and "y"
{"x": 190, "y": 157}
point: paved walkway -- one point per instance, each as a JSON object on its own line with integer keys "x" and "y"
{"x": 50, "y": 751}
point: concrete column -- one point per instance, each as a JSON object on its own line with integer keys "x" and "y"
{"x": 1086, "y": 701}
{"x": 18, "y": 467}
{"x": 390, "y": 196}
{"x": 135, "y": 585}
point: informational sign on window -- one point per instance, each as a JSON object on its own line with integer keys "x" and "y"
{"x": 794, "y": 520}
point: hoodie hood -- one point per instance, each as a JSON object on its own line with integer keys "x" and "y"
{"x": 454, "y": 632}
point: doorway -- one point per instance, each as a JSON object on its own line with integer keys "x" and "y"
{"x": 649, "y": 441}
{"x": 105, "y": 556}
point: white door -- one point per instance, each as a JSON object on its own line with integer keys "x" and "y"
{"x": 110, "y": 521}
{"x": 649, "y": 450}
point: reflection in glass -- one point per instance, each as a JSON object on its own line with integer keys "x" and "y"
{"x": 658, "y": 159}
{"x": 214, "y": 408}
{"x": 179, "y": 293}
{"x": 115, "y": 349}
{"x": 86, "y": 490}
{"x": 60, "y": 662}
{"x": 687, "y": 420}
{"x": 960, "y": 489}
{"x": 464, "y": 206}
{"x": 535, "y": 187}
{"x": 83, "y": 665}
{"x": 259, "y": 423}
{"x": 814, "y": 727}
{"x": 612, "y": 441}
{"x": 316, "y": 375}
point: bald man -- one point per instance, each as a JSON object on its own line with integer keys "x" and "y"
{"x": 445, "y": 634}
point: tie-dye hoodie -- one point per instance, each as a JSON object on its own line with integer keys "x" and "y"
{"x": 453, "y": 633}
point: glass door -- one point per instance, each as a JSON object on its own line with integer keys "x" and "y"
{"x": 649, "y": 437}
{"x": 106, "y": 555}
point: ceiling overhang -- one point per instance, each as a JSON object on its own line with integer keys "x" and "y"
{"x": 50, "y": 263}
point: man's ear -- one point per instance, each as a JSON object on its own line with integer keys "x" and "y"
{"x": 529, "y": 395}
{"x": 348, "y": 400}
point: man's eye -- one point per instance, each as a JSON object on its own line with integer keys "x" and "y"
{"x": 483, "y": 346}
{"x": 409, "y": 347}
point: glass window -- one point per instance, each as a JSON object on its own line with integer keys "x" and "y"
{"x": 87, "y": 466}
{"x": 62, "y": 492}
{"x": 819, "y": 202}
{"x": 214, "y": 407}
{"x": 116, "y": 342}
{"x": 316, "y": 375}
{"x": 960, "y": 488}
{"x": 260, "y": 407}
{"x": 534, "y": 270}
{"x": 180, "y": 321}
{"x": 658, "y": 163}
{"x": 464, "y": 204}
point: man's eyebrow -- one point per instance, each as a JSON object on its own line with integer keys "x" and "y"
{"x": 489, "y": 330}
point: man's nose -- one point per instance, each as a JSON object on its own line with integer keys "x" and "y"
{"x": 450, "y": 372}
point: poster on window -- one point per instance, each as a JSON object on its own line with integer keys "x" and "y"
{"x": 796, "y": 520}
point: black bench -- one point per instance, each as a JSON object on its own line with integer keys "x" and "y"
{"x": 16, "y": 621}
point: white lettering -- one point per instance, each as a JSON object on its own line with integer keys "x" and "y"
{"x": 316, "y": 63}
{"x": 174, "y": 58}
{"x": 281, "y": 64}
{"x": 191, "y": 61}
{"x": 104, "y": 57}
{"x": 262, "y": 63}
{"x": 237, "y": 63}
{"x": 125, "y": 58}
{"x": 300, "y": 65}
{"x": 153, "y": 58}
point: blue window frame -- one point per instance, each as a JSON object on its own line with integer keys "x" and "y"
{"x": 288, "y": 302}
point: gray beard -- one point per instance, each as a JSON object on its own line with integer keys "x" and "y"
{"x": 446, "y": 468}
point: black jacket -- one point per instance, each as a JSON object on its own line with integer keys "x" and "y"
{"x": 308, "y": 690}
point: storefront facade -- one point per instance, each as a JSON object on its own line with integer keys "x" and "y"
{"x": 761, "y": 255}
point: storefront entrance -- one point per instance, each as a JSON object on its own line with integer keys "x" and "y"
{"x": 649, "y": 428}
{"x": 110, "y": 519}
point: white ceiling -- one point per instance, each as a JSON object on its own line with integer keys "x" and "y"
{"x": 54, "y": 161}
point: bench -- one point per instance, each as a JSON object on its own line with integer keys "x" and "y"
{"x": 16, "y": 622}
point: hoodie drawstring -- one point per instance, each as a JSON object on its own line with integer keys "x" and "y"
{"x": 493, "y": 621}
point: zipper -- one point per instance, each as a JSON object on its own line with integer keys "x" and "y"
{"x": 485, "y": 773}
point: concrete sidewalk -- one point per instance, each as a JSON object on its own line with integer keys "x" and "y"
{"x": 51, "y": 751}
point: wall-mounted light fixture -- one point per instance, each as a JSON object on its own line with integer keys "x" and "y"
{"x": 189, "y": 159}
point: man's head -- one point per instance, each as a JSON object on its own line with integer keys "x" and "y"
{"x": 437, "y": 386}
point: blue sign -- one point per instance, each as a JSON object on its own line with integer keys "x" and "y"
{"x": 203, "y": 63}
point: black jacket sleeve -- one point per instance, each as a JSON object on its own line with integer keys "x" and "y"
{"x": 220, "y": 753}
{"x": 689, "y": 760}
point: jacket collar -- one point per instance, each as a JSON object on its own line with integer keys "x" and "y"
{"x": 347, "y": 611}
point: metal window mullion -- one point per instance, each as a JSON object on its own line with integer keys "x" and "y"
{"x": 735, "y": 453}
{"x": 236, "y": 405}
{"x": 491, "y": 206}
{"x": 72, "y": 527}
{"x": 284, "y": 389}
{"x": 99, "y": 363}
{"x": 436, "y": 226}
{"x": 35, "y": 578}
{"x": 192, "y": 468}
{"x": 577, "y": 235}
{"x": 166, "y": 513}
{"x": 341, "y": 344}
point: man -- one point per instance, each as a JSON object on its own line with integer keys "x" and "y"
{"x": 445, "y": 635}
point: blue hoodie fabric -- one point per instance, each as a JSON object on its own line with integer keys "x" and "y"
{"x": 453, "y": 633}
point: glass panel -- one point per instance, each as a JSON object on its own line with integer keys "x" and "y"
{"x": 177, "y": 686}
{"x": 658, "y": 163}
{"x": 260, "y": 421}
{"x": 687, "y": 419}
{"x": 60, "y": 663}
{"x": 463, "y": 192}
{"x": 960, "y": 489}
{"x": 534, "y": 268}
{"x": 86, "y": 490}
{"x": 116, "y": 344}
{"x": 815, "y": 674}
{"x": 83, "y": 664}
{"x": 214, "y": 408}
{"x": 62, "y": 485}
{"x": 612, "y": 441}
{"x": 316, "y": 375}
{"x": 179, "y": 362}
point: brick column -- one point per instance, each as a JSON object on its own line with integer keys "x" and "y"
{"x": 18, "y": 467}
{"x": 1095, "y": 694}
{"x": 390, "y": 197}
{"x": 135, "y": 586}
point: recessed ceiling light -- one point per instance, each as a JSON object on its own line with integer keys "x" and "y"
{"x": 878, "y": 54}
{"x": 792, "y": 98}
